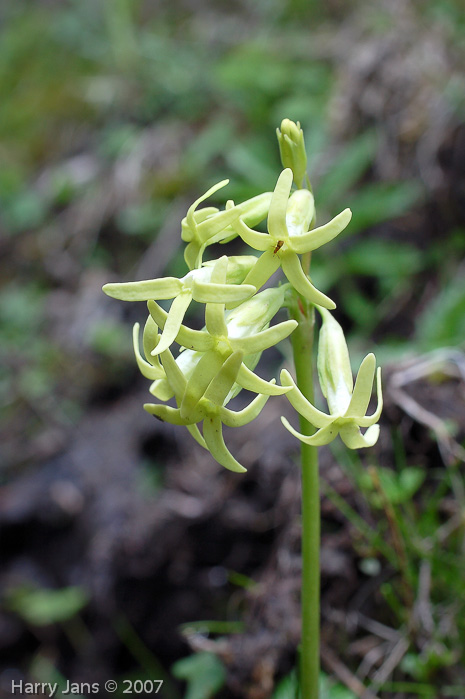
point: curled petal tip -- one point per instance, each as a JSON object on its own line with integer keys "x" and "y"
{"x": 354, "y": 439}
{"x": 286, "y": 378}
{"x": 213, "y": 435}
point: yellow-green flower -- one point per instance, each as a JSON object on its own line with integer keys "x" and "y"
{"x": 206, "y": 226}
{"x": 289, "y": 235}
{"x": 149, "y": 367}
{"x": 244, "y": 329}
{"x": 213, "y": 385}
{"x": 197, "y": 285}
{"x": 206, "y": 377}
{"x": 347, "y": 403}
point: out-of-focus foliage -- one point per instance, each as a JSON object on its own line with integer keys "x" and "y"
{"x": 288, "y": 688}
{"x": 116, "y": 114}
{"x": 204, "y": 674}
{"x": 41, "y": 607}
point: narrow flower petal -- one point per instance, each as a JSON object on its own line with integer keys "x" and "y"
{"x": 251, "y": 382}
{"x": 267, "y": 338}
{"x": 146, "y": 369}
{"x": 321, "y": 235}
{"x": 158, "y": 314}
{"x": 193, "y": 254}
{"x": 205, "y": 371}
{"x": 369, "y": 420}
{"x": 166, "y": 413}
{"x": 258, "y": 241}
{"x": 244, "y": 416}
{"x": 195, "y": 432}
{"x": 220, "y": 270}
{"x": 213, "y": 435}
{"x": 161, "y": 389}
{"x": 216, "y": 224}
{"x": 298, "y": 401}
{"x": 195, "y": 261}
{"x": 256, "y": 209}
{"x": 190, "y": 214}
{"x": 198, "y": 340}
{"x": 173, "y": 321}
{"x": 323, "y": 436}
{"x": 238, "y": 268}
{"x": 363, "y": 387}
{"x": 150, "y": 339}
{"x": 278, "y": 206}
{"x": 264, "y": 268}
{"x": 224, "y": 380}
{"x": 236, "y": 277}
{"x": 166, "y": 288}
{"x": 214, "y": 312}
{"x": 293, "y": 271}
{"x": 354, "y": 439}
{"x": 221, "y": 293}
{"x": 174, "y": 375}
{"x": 223, "y": 241}
{"x": 214, "y": 320}
{"x": 212, "y": 230}
{"x": 190, "y": 339}
{"x": 188, "y": 231}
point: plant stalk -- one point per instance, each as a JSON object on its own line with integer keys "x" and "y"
{"x": 302, "y": 345}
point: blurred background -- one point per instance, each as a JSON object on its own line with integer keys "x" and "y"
{"x": 126, "y": 552}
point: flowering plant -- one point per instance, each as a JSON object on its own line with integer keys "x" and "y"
{"x": 214, "y": 364}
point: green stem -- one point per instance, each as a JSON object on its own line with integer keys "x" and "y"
{"x": 302, "y": 345}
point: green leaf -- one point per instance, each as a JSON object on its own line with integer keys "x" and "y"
{"x": 43, "y": 607}
{"x": 329, "y": 690}
{"x": 398, "y": 488}
{"x": 287, "y": 688}
{"x": 443, "y": 321}
{"x": 383, "y": 258}
{"x": 204, "y": 673}
{"x": 410, "y": 480}
{"x": 381, "y": 201}
{"x": 351, "y": 163}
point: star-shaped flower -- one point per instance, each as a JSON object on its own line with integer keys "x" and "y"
{"x": 153, "y": 368}
{"x": 244, "y": 329}
{"x": 347, "y": 403}
{"x": 197, "y": 285}
{"x": 209, "y": 225}
{"x": 213, "y": 389}
{"x": 289, "y": 235}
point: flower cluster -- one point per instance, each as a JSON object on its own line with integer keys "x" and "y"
{"x": 213, "y": 364}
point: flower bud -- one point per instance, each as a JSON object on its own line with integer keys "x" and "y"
{"x": 292, "y": 149}
{"x": 300, "y": 212}
{"x": 334, "y": 365}
{"x": 255, "y": 314}
{"x": 238, "y": 267}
